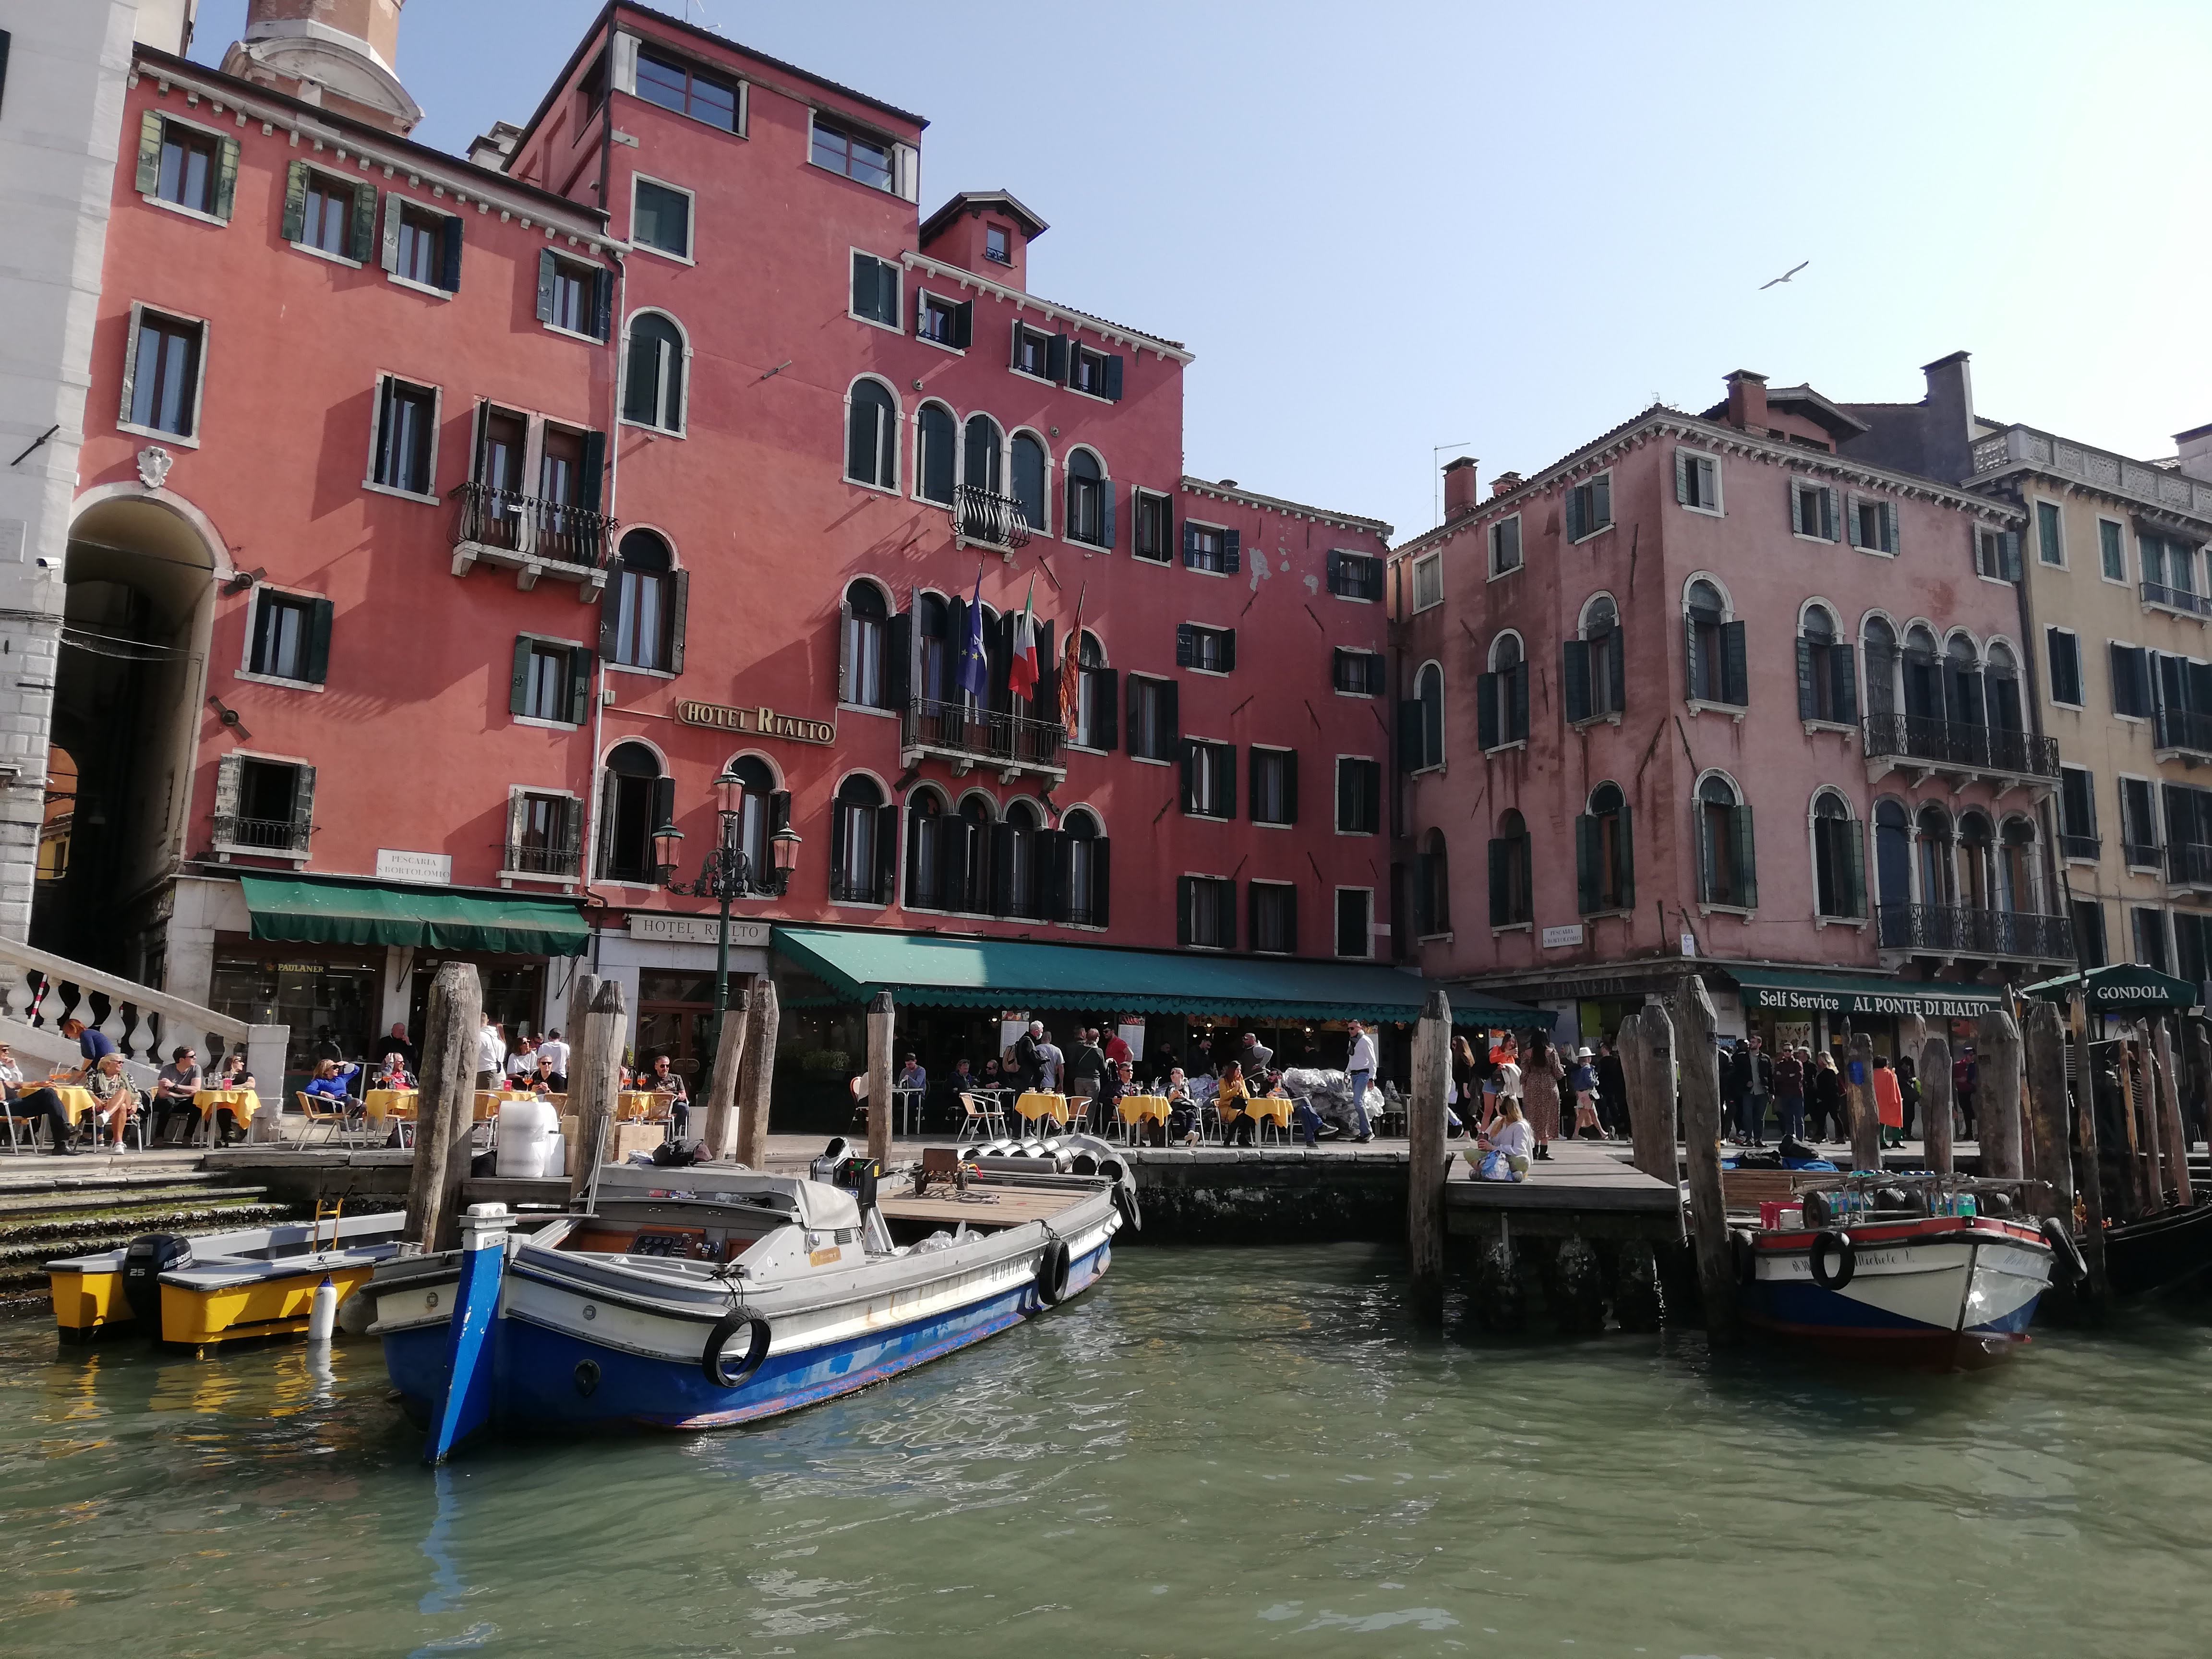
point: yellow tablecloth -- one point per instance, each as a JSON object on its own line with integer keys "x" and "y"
{"x": 1034, "y": 1106}
{"x": 641, "y": 1105}
{"x": 379, "y": 1104}
{"x": 1143, "y": 1109}
{"x": 76, "y": 1101}
{"x": 1266, "y": 1108}
{"x": 242, "y": 1103}
{"x": 488, "y": 1101}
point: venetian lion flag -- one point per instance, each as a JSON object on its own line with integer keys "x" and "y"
{"x": 1071, "y": 669}
{"x": 1021, "y": 671}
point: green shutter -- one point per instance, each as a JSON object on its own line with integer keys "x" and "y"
{"x": 679, "y": 610}
{"x": 1854, "y": 845}
{"x": 545, "y": 275}
{"x": 1736, "y": 673}
{"x": 295, "y": 202}
{"x": 1746, "y": 858}
{"x": 518, "y": 691}
{"x": 1627, "y": 862}
{"x": 1844, "y": 684}
{"x": 319, "y": 640}
{"x": 1587, "y": 851}
{"x": 1809, "y": 695}
{"x": 1501, "y": 906}
{"x": 225, "y": 179}
{"x": 1575, "y": 678}
{"x": 1410, "y": 732}
{"x": 1290, "y": 786}
{"x": 149, "y": 153}
{"x": 1182, "y": 909}
{"x": 579, "y": 685}
{"x": 1690, "y": 657}
{"x": 1516, "y": 685}
{"x": 363, "y": 243}
{"x": 1797, "y": 510}
{"x": 1616, "y": 657}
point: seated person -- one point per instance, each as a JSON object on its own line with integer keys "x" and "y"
{"x": 179, "y": 1080}
{"x": 332, "y": 1082}
{"x": 544, "y": 1082}
{"x": 1509, "y": 1133}
{"x": 395, "y": 1074}
{"x": 664, "y": 1080}
{"x": 1237, "y": 1129}
{"x": 116, "y": 1102}
{"x": 35, "y": 1104}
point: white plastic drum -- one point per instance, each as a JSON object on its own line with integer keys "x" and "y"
{"x": 525, "y": 1128}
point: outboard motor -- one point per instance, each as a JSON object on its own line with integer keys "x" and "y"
{"x": 825, "y": 1168}
{"x": 143, "y": 1263}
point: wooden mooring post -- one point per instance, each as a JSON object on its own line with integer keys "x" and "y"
{"x": 1701, "y": 1142}
{"x": 2088, "y": 1178}
{"x": 446, "y": 1107}
{"x": 1936, "y": 1103}
{"x": 1647, "y": 1063}
{"x": 721, "y": 1133}
{"x": 1998, "y": 1052}
{"x": 758, "y": 1075}
{"x": 883, "y": 1016}
{"x": 2043, "y": 1042}
{"x": 595, "y": 1081}
{"x": 2174, "y": 1134}
{"x": 1859, "y": 1089}
{"x": 1424, "y": 1159}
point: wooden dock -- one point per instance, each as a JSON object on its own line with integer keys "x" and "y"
{"x": 1587, "y": 1189}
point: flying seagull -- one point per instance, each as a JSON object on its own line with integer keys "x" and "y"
{"x": 1786, "y": 275}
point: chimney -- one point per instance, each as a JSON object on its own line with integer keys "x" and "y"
{"x": 1459, "y": 488}
{"x": 336, "y": 54}
{"x": 1948, "y": 425}
{"x": 370, "y": 23}
{"x": 1504, "y": 484}
{"x": 2195, "y": 448}
{"x": 1747, "y": 401}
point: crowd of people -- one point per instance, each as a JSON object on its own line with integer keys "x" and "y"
{"x": 1801, "y": 1092}
{"x": 117, "y": 1103}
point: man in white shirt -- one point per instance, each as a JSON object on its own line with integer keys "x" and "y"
{"x": 554, "y": 1050}
{"x": 491, "y": 1054}
{"x": 1361, "y": 1066}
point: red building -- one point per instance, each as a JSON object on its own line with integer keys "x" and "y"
{"x": 448, "y": 526}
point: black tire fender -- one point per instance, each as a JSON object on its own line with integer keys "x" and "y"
{"x": 712, "y": 1360}
{"x": 1125, "y": 1200}
{"x": 1847, "y": 1260}
{"x": 2064, "y": 1249}
{"x": 1052, "y": 1273}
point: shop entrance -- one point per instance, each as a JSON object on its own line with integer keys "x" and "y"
{"x": 514, "y": 992}
{"x": 674, "y": 1012}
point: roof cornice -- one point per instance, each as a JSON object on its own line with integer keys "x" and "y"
{"x": 1221, "y": 492}
{"x": 1114, "y": 333}
{"x": 2014, "y": 451}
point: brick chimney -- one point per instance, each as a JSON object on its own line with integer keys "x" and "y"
{"x": 1948, "y": 426}
{"x": 1747, "y": 401}
{"x": 1504, "y": 484}
{"x": 1459, "y": 488}
{"x": 339, "y": 54}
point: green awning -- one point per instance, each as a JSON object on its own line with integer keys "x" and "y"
{"x": 306, "y": 912}
{"x": 942, "y": 972}
{"x": 2120, "y": 988}
{"x": 1786, "y": 991}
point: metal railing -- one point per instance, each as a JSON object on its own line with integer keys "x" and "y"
{"x": 2080, "y": 847}
{"x": 527, "y": 859}
{"x": 848, "y": 889}
{"x": 1963, "y": 930}
{"x": 961, "y": 728}
{"x": 1960, "y": 745}
{"x": 2142, "y": 855}
{"x": 2177, "y": 598}
{"x": 2188, "y": 864}
{"x": 525, "y": 524}
{"x": 274, "y": 834}
{"x": 985, "y": 516}
{"x": 2182, "y": 728}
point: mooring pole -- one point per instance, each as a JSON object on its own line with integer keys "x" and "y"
{"x": 595, "y": 1081}
{"x": 1997, "y": 1050}
{"x": 446, "y": 1107}
{"x": 883, "y": 1017}
{"x": 2174, "y": 1134}
{"x": 722, "y": 1127}
{"x": 1936, "y": 1103}
{"x": 759, "y": 1075}
{"x": 1701, "y": 1138}
{"x": 2088, "y": 1177}
{"x": 1424, "y": 1159}
{"x": 2043, "y": 1040}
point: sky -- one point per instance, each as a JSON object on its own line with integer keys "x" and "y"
{"x": 1503, "y": 228}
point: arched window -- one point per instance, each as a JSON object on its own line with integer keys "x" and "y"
{"x": 766, "y": 810}
{"x": 1432, "y": 884}
{"x": 1719, "y": 672}
{"x": 863, "y": 833}
{"x": 1509, "y": 868}
{"x": 642, "y": 619}
{"x": 1827, "y": 678}
{"x": 2001, "y": 690}
{"x": 1605, "y": 861}
{"x": 937, "y": 458}
{"x": 1727, "y": 867}
{"x": 1923, "y": 686}
{"x": 933, "y": 621}
{"x": 1938, "y": 880}
{"x": 1029, "y": 469}
{"x": 1429, "y": 703}
{"x": 968, "y": 869}
{"x": 924, "y": 850}
{"x": 1015, "y": 889}
{"x": 1595, "y": 684}
{"x": 1975, "y": 843}
{"x": 984, "y": 455}
{"x": 2016, "y": 871}
{"x": 1878, "y": 640}
{"x": 635, "y": 801}
{"x": 1962, "y": 685}
{"x": 1501, "y": 696}
{"x": 1098, "y": 696}
{"x": 1838, "y": 859}
{"x": 1090, "y": 500}
{"x": 1089, "y": 871}
{"x": 871, "y": 435}
{"x": 863, "y": 671}
{"x": 1893, "y": 866}
{"x": 653, "y": 388}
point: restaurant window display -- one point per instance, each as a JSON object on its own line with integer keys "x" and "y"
{"x": 674, "y": 1011}
{"x": 341, "y": 995}
{"x": 513, "y": 995}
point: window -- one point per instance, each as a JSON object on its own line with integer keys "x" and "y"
{"x": 290, "y": 638}
{"x": 937, "y": 441}
{"x": 636, "y": 800}
{"x": 764, "y": 811}
{"x": 2065, "y": 649}
{"x": 1728, "y": 872}
{"x": 161, "y": 376}
{"x": 642, "y": 619}
{"x": 575, "y": 297}
{"x": 1086, "y": 870}
{"x": 1510, "y": 863}
{"x": 2130, "y": 681}
{"x": 1593, "y": 670}
{"x": 942, "y": 322}
{"x": 2193, "y": 946}
{"x": 863, "y": 839}
{"x": 328, "y": 215}
{"x": 552, "y": 681}
{"x": 1355, "y": 576}
{"x": 1090, "y": 500}
{"x": 2077, "y": 813}
{"x": 1827, "y": 672}
{"x": 1154, "y": 721}
{"x": 1096, "y": 372}
{"x": 2138, "y": 824}
{"x": 1506, "y": 545}
{"x": 1432, "y": 887}
{"x": 1425, "y": 710}
{"x": 845, "y": 149}
{"x": 871, "y": 436}
{"x": 653, "y": 373}
{"x": 1501, "y": 696}
{"x": 1274, "y": 775}
{"x": 2188, "y": 834}
{"x": 1355, "y": 930}
{"x": 1042, "y": 355}
{"x": 1016, "y": 889}
{"x": 185, "y": 166}
{"x": 1206, "y": 913}
{"x": 1589, "y": 507}
{"x": 2169, "y": 572}
{"x": 998, "y": 244}
{"x": 1428, "y": 581}
{"x": 1996, "y": 555}
{"x": 1357, "y": 673}
{"x": 861, "y": 666}
{"x": 2049, "y": 548}
{"x": 2113, "y": 560}
{"x": 1873, "y": 525}
{"x": 1811, "y": 510}
{"x": 674, "y": 84}
{"x": 1097, "y": 710}
{"x": 1208, "y": 650}
{"x": 1028, "y": 461}
{"x": 1359, "y": 796}
{"x": 544, "y": 834}
{"x": 1697, "y": 481}
{"x": 2089, "y": 932}
{"x": 1718, "y": 670}
{"x": 2150, "y": 937}
{"x": 1839, "y": 860}
{"x": 265, "y": 805}
{"x": 1209, "y": 779}
{"x": 1155, "y": 515}
{"x": 660, "y": 218}
{"x": 875, "y": 289}
{"x": 1605, "y": 865}
{"x": 1274, "y": 905}
{"x": 406, "y": 437}
{"x": 420, "y": 247}
{"x": 1210, "y": 547}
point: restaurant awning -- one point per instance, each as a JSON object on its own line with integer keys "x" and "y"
{"x": 1790, "y": 991}
{"x": 2120, "y": 988}
{"x": 940, "y": 972}
{"x": 300, "y": 911}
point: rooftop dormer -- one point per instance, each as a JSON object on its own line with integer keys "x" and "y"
{"x": 985, "y": 231}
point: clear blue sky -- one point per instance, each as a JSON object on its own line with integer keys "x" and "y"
{"x": 1388, "y": 227}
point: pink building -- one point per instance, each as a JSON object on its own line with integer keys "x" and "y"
{"x": 1709, "y": 689}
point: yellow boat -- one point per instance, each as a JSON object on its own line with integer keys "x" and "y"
{"x": 219, "y": 1287}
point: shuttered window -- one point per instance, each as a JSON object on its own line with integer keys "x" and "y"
{"x": 1727, "y": 864}
{"x": 1206, "y": 912}
{"x": 291, "y": 636}
{"x": 1996, "y": 555}
{"x": 406, "y": 437}
{"x": 1510, "y": 872}
{"x": 1589, "y": 507}
{"x": 660, "y": 218}
{"x": 1506, "y": 545}
{"x": 944, "y": 322}
{"x": 1274, "y": 785}
{"x": 1605, "y": 864}
{"x": 1208, "y": 650}
{"x": 1428, "y": 581}
{"x": 162, "y": 375}
{"x": 2130, "y": 681}
{"x": 1873, "y": 524}
{"x": 2065, "y": 649}
{"x": 1355, "y": 576}
{"x": 1274, "y": 907}
{"x": 1154, "y": 730}
{"x": 2049, "y": 541}
{"x": 1358, "y": 673}
{"x": 1697, "y": 481}
{"x": 552, "y": 680}
{"x": 1359, "y": 796}
{"x": 332, "y": 215}
{"x": 1210, "y": 547}
{"x": 2112, "y": 559}
{"x": 1813, "y": 511}
{"x": 875, "y": 290}
{"x": 1838, "y": 861}
{"x": 1155, "y": 528}
{"x": 1209, "y": 779}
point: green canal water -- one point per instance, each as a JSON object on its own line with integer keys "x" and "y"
{"x": 1219, "y": 1452}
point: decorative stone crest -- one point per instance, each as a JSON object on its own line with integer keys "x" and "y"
{"x": 154, "y": 464}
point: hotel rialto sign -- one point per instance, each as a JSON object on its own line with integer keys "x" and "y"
{"x": 762, "y": 722}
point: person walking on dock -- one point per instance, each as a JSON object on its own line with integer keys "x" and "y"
{"x": 1541, "y": 1076}
{"x": 1582, "y": 1081}
{"x": 1889, "y": 1102}
{"x": 1789, "y": 1091}
{"x": 1827, "y": 1098}
{"x": 1361, "y": 1066}
{"x": 1612, "y": 1092}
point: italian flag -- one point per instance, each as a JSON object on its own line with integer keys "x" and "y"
{"x": 1021, "y": 671}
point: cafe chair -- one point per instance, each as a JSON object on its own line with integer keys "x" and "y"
{"x": 321, "y": 1112}
{"x": 984, "y": 1118}
{"x": 23, "y": 1131}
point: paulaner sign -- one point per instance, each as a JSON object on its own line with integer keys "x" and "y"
{"x": 763, "y": 721}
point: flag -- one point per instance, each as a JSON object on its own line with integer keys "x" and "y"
{"x": 973, "y": 675}
{"x": 1071, "y": 668}
{"x": 1022, "y": 671}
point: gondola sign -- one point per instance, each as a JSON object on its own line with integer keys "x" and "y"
{"x": 763, "y": 721}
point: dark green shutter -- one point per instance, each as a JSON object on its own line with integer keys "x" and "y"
{"x": 1232, "y": 551}
{"x": 449, "y": 252}
{"x": 1746, "y": 858}
{"x": 1106, "y": 513}
{"x": 1171, "y": 712}
{"x": 149, "y": 153}
{"x": 603, "y": 304}
{"x": 1690, "y": 655}
{"x": 1189, "y": 761}
{"x": 1055, "y": 358}
{"x": 863, "y": 285}
{"x": 546, "y": 273}
{"x": 1000, "y": 837}
{"x": 1574, "y": 525}
{"x": 1290, "y": 786}
{"x": 679, "y": 607}
{"x": 1051, "y": 866}
{"x": 1854, "y": 845}
{"x": 1844, "y": 684}
{"x": 362, "y": 245}
{"x": 1114, "y": 379}
{"x": 1501, "y": 873}
{"x": 1517, "y": 682}
{"x": 1797, "y": 511}
{"x": 664, "y": 801}
{"x": 296, "y": 203}
{"x": 1228, "y": 649}
{"x": 225, "y": 179}
{"x": 887, "y": 851}
{"x": 837, "y": 815}
{"x": 1101, "y": 880}
{"x": 1809, "y": 695}
{"x": 1485, "y": 711}
{"x": 1589, "y": 850}
{"x": 1105, "y": 708}
{"x": 2009, "y": 555}
{"x": 898, "y": 654}
{"x": 1183, "y": 884}
{"x": 961, "y": 333}
{"x": 518, "y": 689}
{"x": 611, "y": 608}
{"x": 1186, "y": 645}
{"x": 1371, "y": 797}
{"x": 1347, "y": 794}
{"x": 1617, "y": 660}
{"x": 1601, "y": 501}
{"x": 1627, "y": 862}
{"x": 1735, "y": 672}
{"x": 1190, "y": 545}
{"x": 1411, "y": 725}
{"x": 591, "y": 486}
{"x": 580, "y": 686}
{"x": 320, "y": 613}
{"x": 1225, "y": 754}
{"x": 1828, "y": 514}
{"x": 1575, "y": 678}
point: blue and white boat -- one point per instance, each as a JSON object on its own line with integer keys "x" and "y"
{"x": 710, "y": 1295}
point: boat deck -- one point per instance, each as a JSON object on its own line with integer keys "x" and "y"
{"x": 984, "y": 1205}
{"x": 1586, "y": 1189}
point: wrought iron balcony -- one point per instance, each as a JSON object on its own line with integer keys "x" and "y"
{"x": 2188, "y": 864}
{"x": 525, "y": 858}
{"x": 988, "y": 519}
{"x": 2177, "y": 598}
{"x": 869, "y": 888}
{"x": 2080, "y": 847}
{"x": 2182, "y": 730}
{"x": 534, "y": 537}
{"x": 1959, "y": 746}
{"x": 965, "y": 732}
{"x": 2140, "y": 855}
{"x": 1960, "y": 930}
{"x": 263, "y": 835}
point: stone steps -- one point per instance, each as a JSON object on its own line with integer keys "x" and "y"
{"x": 52, "y": 1207}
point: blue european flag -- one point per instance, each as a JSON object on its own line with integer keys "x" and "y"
{"x": 973, "y": 673}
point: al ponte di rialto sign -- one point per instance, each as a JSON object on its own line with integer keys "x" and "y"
{"x": 763, "y": 721}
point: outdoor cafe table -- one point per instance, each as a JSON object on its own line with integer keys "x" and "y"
{"x": 240, "y": 1104}
{"x": 1270, "y": 1109}
{"x": 1143, "y": 1109}
{"x": 489, "y": 1101}
{"x": 1033, "y": 1106}
{"x": 76, "y": 1101}
{"x": 642, "y": 1105}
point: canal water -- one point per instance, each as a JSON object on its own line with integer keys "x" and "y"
{"x": 1219, "y": 1452}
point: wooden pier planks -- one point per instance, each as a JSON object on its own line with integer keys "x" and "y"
{"x": 1587, "y": 1187}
